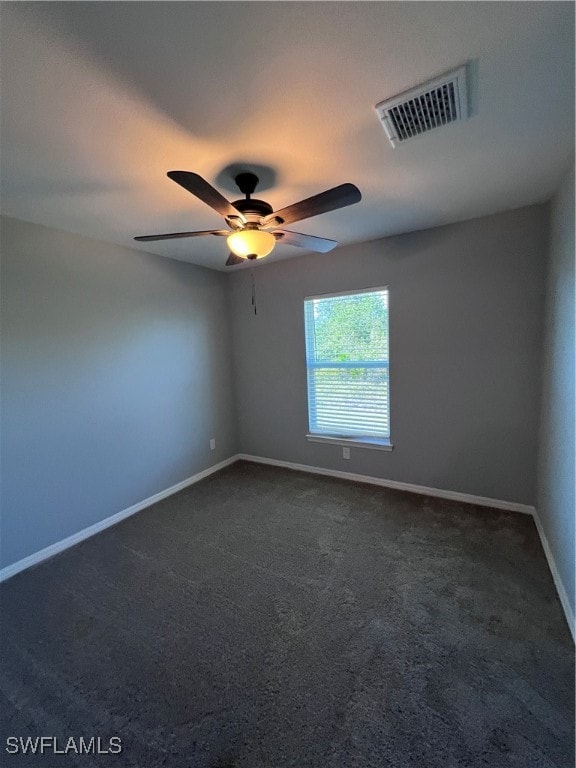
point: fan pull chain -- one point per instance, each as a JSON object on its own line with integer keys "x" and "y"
{"x": 253, "y": 292}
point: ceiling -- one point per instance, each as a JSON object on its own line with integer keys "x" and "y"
{"x": 99, "y": 100}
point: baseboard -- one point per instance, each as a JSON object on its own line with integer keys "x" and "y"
{"x": 85, "y": 533}
{"x": 568, "y": 613}
{"x": 466, "y": 498}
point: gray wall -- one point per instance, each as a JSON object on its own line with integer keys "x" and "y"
{"x": 466, "y": 309}
{"x": 116, "y": 373}
{"x": 556, "y": 454}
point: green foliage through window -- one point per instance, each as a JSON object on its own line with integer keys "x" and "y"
{"x": 348, "y": 328}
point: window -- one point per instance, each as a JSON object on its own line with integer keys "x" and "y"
{"x": 347, "y": 363}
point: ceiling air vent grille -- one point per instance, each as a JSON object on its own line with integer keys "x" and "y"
{"x": 419, "y": 110}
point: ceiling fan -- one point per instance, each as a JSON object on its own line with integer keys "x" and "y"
{"x": 254, "y": 226}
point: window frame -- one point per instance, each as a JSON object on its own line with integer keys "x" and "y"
{"x": 361, "y": 441}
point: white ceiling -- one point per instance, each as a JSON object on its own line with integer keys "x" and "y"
{"x": 99, "y": 100}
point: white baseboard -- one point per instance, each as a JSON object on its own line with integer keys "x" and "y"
{"x": 555, "y": 575}
{"x": 85, "y": 533}
{"x": 467, "y": 498}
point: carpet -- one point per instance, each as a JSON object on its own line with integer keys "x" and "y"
{"x": 266, "y": 618}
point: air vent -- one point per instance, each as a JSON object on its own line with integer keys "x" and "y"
{"x": 428, "y": 106}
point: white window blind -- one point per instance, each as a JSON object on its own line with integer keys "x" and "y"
{"x": 347, "y": 363}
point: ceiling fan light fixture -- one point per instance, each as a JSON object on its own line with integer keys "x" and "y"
{"x": 252, "y": 218}
{"x": 251, "y": 243}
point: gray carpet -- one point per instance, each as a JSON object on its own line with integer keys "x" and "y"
{"x": 266, "y": 618}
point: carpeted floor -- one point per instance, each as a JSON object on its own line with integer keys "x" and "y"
{"x": 266, "y": 618}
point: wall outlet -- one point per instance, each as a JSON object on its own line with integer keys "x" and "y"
{"x": 345, "y": 452}
{"x": 213, "y": 444}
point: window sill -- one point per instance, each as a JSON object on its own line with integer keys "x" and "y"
{"x": 378, "y": 444}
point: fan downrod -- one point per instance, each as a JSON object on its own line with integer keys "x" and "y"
{"x": 246, "y": 182}
{"x": 250, "y": 207}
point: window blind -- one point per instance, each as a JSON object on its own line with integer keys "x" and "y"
{"x": 347, "y": 364}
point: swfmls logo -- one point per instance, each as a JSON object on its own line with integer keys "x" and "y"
{"x": 41, "y": 745}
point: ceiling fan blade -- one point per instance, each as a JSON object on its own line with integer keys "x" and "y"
{"x": 200, "y": 188}
{"x": 175, "y": 235}
{"x": 319, "y": 244}
{"x": 232, "y": 260}
{"x": 331, "y": 200}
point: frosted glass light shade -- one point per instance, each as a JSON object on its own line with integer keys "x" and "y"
{"x": 251, "y": 242}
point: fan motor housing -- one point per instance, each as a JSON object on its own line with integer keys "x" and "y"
{"x": 252, "y": 206}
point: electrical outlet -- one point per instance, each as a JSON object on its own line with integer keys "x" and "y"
{"x": 345, "y": 452}
{"x": 213, "y": 444}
